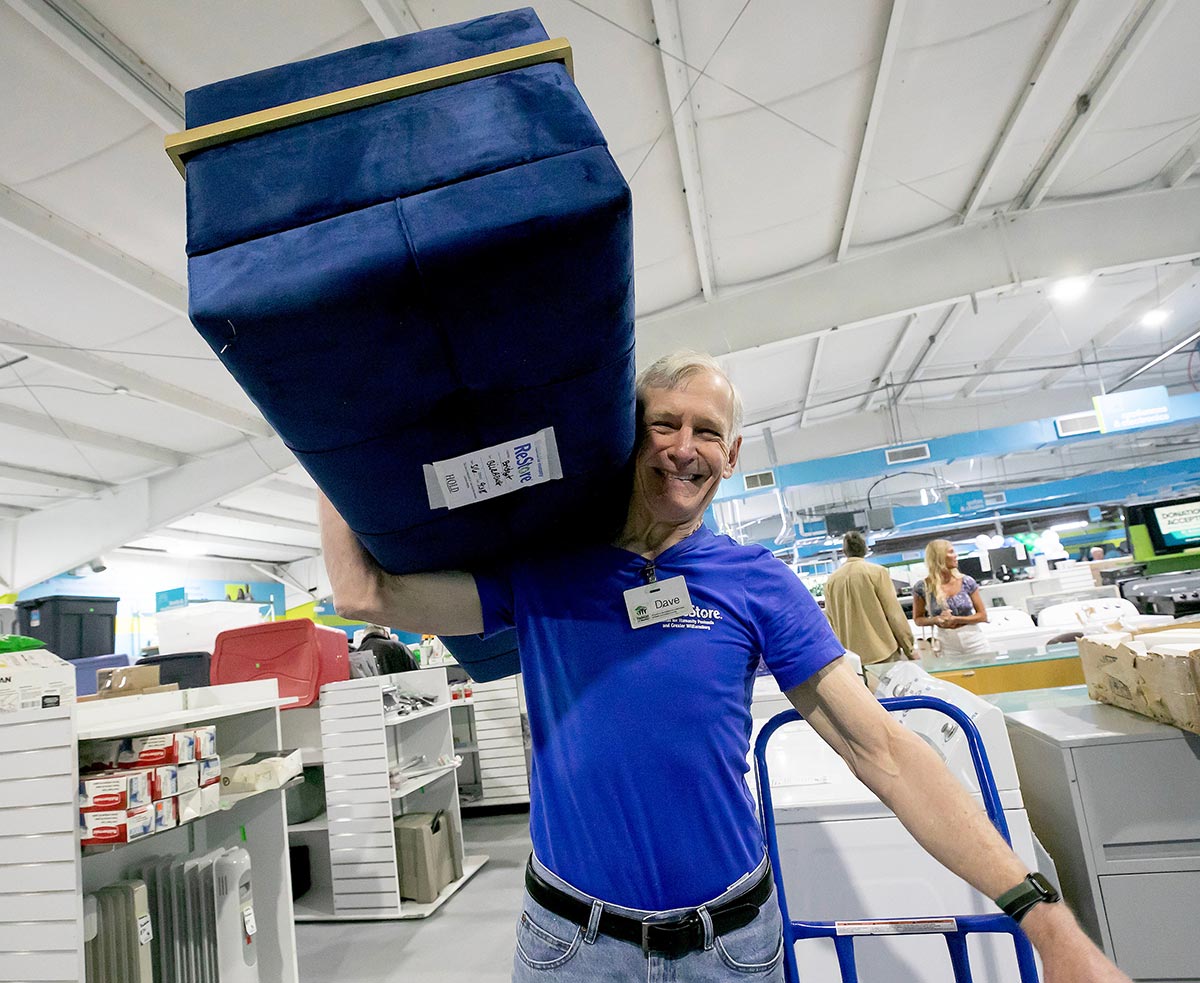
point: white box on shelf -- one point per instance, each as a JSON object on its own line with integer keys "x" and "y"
{"x": 35, "y": 680}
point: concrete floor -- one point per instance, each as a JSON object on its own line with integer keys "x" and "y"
{"x": 468, "y": 940}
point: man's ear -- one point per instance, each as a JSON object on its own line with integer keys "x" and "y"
{"x": 727, "y": 471}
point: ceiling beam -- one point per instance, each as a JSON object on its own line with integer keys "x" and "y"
{"x": 1050, "y": 49}
{"x": 934, "y": 269}
{"x": 1119, "y": 58}
{"x": 1170, "y": 281}
{"x": 231, "y": 542}
{"x": 1028, "y": 327}
{"x": 891, "y": 43}
{"x": 284, "y": 487}
{"x": 42, "y": 423}
{"x": 1182, "y": 166}
{"x": 11, "y": 512}
{"x": 392, "y": 17}
{"x": 935, "y": 344}
{"x": 96, "y": 48}
{"x": 244, "y": 515}
{"x": 810, "y": 387}
{"x": 30, "y": 219}
{"x": 54, "y": 352}
{"x": 59, "y": 538}
{"x": 683, "y": 119}
{"x": 889, "y": 366}
{"x": 51, "y": 479}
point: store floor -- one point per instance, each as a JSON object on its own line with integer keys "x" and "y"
{"x": 468, "y": 940}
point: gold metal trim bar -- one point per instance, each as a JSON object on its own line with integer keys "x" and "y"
{"x": 179, "y": 145}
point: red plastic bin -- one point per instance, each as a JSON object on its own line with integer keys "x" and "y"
{"x": 302, "y": 655}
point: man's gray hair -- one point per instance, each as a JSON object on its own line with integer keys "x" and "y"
{"x": 671, "y": 371}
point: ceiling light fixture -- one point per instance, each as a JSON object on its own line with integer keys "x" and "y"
{"x": 1155, "y": 318}
{"x": 1069, "y": 289}
{"x": 1066, "y": 526}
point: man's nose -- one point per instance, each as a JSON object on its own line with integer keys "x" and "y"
{"x": 684, "y": 444}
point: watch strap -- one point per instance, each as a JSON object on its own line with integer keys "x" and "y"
{"x": 1017, "y": 901}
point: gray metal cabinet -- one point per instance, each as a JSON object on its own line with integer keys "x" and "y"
{"x": 1115, "y": 799}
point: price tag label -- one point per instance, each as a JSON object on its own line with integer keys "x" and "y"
{"x": 248, "y": 921}
{"x": 145, "y": 930}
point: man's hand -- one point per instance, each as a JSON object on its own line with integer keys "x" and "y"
{"x": 444, "y": 603}
{"x": 1068, "y": 955}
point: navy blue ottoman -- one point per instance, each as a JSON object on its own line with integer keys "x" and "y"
{"x": 429, "y": 297}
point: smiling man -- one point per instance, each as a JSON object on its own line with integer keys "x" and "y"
{"x": 638, "y": 660}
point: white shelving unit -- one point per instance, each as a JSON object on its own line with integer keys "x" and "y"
{"x": 44, "y": 873}
{"x": 352, "y": 852}
{"x": 500, "y": 734}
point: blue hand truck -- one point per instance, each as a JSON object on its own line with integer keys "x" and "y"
{"x": 954, "y": 928}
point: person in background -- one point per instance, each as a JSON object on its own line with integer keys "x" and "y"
{"x": 1096, "y": 553}
{"x": 861, "y": 604}
{"x": 949, "y": 601}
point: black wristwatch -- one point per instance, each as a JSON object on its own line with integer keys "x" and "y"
{"x": 1034, "y": 889}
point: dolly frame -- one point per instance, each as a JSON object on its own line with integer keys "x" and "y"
{"x": 954, "y": 928}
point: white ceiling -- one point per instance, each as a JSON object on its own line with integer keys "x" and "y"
{"x": 860, "y": 207}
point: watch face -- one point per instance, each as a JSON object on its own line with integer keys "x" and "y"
{"x": 1045, "y": 888}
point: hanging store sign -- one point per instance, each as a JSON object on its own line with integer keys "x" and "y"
{"x": 1133, "y": 409}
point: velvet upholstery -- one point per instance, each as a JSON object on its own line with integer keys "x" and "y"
{"x": 420, "y": 279}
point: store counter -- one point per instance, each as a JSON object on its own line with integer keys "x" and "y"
{"x": 1015, "y": 669}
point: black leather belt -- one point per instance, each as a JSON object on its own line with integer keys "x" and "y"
{"x": 674, "y": 938}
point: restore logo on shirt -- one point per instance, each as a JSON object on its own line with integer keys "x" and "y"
{"x": 701, "y": 619}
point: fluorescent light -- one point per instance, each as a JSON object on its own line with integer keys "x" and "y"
{"x": 1156, "y": 317}
{"x": 1064, "y": 526}
{"x": 1154, "y": 361}
{"x": 1072, "y": 288}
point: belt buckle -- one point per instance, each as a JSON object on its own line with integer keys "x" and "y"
{"x": 671, "y": 937}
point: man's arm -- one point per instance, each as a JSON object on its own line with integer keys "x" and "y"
{"x": 886, "y": 592}
{"x": 444, "y": 603}
{"x": 912, "y": 781}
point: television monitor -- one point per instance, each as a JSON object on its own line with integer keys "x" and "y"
{"x": 881, "y": 518}
{"x": 840, "y": 523}
{"x": 971, "y": 566}
{"x": 1174, "y": 526}
{"x": 1005, "y": 556}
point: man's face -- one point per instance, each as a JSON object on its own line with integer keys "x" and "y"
{"x": 685, "y": 448}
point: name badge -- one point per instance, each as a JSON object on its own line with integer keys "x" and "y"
{"x": 660, "y": 601}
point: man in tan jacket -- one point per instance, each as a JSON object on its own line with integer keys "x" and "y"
{"x": 861, "y": 604}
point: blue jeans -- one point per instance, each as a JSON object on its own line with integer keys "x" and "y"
{"x": 551, "y": 947}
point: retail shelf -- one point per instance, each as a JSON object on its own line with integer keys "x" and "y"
{"x": 317, "y": 905}
{"x": 320, "y": 824}
{"x": 408, "y": 718}
{"x": 311, "y": 756}
{"x": 471, "y": 865}
{"x": 463, "y": 702}
{"x": 418, "y": 782}
{"x": 99, "y": 720}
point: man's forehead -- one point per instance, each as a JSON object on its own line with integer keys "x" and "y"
{"x": 702, "y": 391}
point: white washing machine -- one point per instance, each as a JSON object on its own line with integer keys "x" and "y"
{"x": 844, "y": 856}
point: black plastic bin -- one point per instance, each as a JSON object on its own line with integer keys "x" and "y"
{"x": 71, "y": 627}
{"x": 187, "y": 669}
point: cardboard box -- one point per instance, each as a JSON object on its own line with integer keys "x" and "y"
{"x": 260, "y": 772}
{"x": 166, "y": 815}
{"x": 1155, "y": 673}
{"x": 210, "y": 771}
{"x": 206, "y": 742}
{"x": 187, "y": 777}
{"x": 164, "y": 781}
{"x": 35, "y": 679}
{"x": 118, "y": 826}
{"x": 424, "y": 855}
{"x": 112, "y": 791}
{"x": 157, "y": 749}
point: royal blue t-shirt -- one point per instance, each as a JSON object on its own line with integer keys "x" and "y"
{"x": 638, "y": 793}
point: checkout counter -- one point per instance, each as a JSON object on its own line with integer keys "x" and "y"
{"x": 1035, "y": 667}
